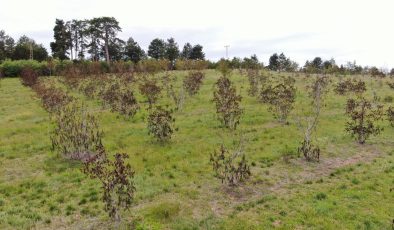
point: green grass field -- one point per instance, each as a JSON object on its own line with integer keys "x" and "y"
{"x": 348, "y": 189}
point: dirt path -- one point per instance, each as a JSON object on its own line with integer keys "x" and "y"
{"x": 297, "y": 171}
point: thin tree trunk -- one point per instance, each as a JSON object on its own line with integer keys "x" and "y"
{"x": 106, "y": 47}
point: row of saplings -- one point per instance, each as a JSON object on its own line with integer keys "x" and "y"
{"x": 77, "y": 134}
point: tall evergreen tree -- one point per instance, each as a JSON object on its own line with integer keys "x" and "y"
{"x": 62, "y": 40}
{"x": 106, "y": 29}
{"x": 197, "y": 53}
{"x": 186, "y": 51}
{"x": 157, "y": 49}
{"x": 7, "y": 45}
{"x": 172, "y": 51}
{"x": 274, "y": 62}
{"x": 133, "y": 51}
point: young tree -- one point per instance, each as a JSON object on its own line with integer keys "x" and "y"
{"x": 390, "y": 115}
{"x": 160, "y": 124}
{"x": 157, "y": 49}
{"x": 230, "y": 167}
{"x": 133, "y": 51}
{"x": 193, "y": 82}
{"x": 197, "y": 53}
{"x": 227, "y": 103}
{"x": 62, "y": 36}
{"x": 117, "y": 180}
{"x": 151, "y": 90}
{"x": 350, "y": 85}
{"x": 280, "y": 97}
{"x": 77, "y": 133}
{"x": 317, "y": 91}
{"x": 363, "y": 118}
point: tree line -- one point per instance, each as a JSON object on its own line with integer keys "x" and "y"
{"x": 97, "y": 39}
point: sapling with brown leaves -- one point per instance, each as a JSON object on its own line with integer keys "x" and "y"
{"x": 29, "y": 77}
{"x": 280, "y": 97}
{"x": 160, "y": 124}
{"x": 193, "y": 82}
{"x": 390, "y": 115}
{"x": 178, "y": 96}
{"x": 151, "y": 90}
{"x": 117, "y": 180}
{"x": 230, "y": 168}
{"x": 363, "y": 118}
{"x": 127, "y": 104}
{"x": 253, "y": 78}
{"x": 77, "y": 132}
{"x": 308, "y": 124}
{"x": 350, "y": 86}
{"x": 52, "y": 98}
{"x": 227, "y": 103}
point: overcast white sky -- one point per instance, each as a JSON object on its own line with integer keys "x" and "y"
{"x": 347, "y": 30}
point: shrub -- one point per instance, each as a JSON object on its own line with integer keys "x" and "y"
{"x": 363, "y": 117}
{"x": 227, "y": 103}
{"x": 150, "y": 90}
{"x": 253, "y": 78}
{"x": 117, "y": 180}
{"x": 110, "y": 95}
{"x": 178, "y": 97}
{"x": 279, "y": 97}
{"x": 390, "y": 115}
{"x": 14, "y": 68}
{"x": 355, "y": 86}
{"x": 76, "y": 134}
{"x": 52, "y": 98}
{"x": 224, "y": 67}
{"x": 89, "y": 87}
{"x": 127, "y": 104}
{"x": 29, "y": 77}
{"x": 391, "y": 84}
{"x": 230, "y": 168}
{"x": 193, "y": 82}
{"x": 160, "y": 122}
{"x": 310, "y": 152}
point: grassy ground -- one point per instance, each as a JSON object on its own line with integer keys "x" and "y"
{"x": 348, "y": 189}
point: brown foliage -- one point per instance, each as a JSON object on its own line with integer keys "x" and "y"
{"x": 177, "y": 96}
{"x": 230, "y": 168}
{"x": 227, "y": 103}
{"x": 52, "y": 98}
{"x": 390, "y": 115}
{"x": 355, "y": 86}
{"x": 150, "y": 89}
{"x": 117, "y": 180}
{"x": 160, "y": 124}
{"x": 280, "y": 98}
{"x": 363, "y": 118}
{"x": 29, "y": 77}
{"x": 193, "y": 82}
{"x": 76, "y": 134}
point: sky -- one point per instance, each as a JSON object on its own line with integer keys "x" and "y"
{"x": 346, "y": 30}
